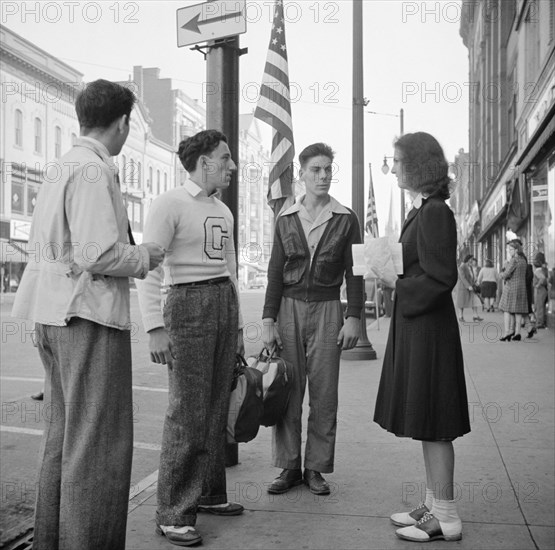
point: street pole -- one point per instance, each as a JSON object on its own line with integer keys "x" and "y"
{"x": 364, "y": 349}
{"x": 222, "y": 113}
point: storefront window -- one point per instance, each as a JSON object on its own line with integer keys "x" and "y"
{"x": 541, "y": 216}
{"x": 549, "y": 213}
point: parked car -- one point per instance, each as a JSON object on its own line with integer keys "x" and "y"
{"x": 259, "y": 281}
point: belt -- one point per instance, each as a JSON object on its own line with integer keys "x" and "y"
{"x": 215, "y": 281}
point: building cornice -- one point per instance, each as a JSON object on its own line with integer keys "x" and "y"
{"x": 70, "y": 89}
{"x": 28, "y": 53}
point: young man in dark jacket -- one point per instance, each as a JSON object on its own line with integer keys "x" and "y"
{"x": 311, "y": 255}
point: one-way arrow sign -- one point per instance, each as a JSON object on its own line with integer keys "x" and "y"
{"x": 210, "y": 21}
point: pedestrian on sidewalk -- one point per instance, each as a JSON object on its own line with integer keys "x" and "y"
{"x": 422, "y": 392}
{"x": 487, "y": 281}
{"x": 541, "y": 275}
{"x": 197, "y": 335}
{"x": 76, "y": 290}
{"x": 310, "y": 258}
{"x": 466, "y": 290}
{"x": 514, "y": 301}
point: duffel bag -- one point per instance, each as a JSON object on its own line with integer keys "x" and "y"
{"x": 245, "y": 403}
{"x": 276, "y": 384}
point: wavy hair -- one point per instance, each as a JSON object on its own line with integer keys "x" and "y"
{"x": 203, "y": 143}
{"x": 102, "y": 102}
{"x": 424, "y": 164}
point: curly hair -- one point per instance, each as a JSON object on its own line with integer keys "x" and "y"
{"x": 315, "y": 150}
{"x": 203, "y": 143}
{"x": 424, "y": 164}
{"x": 102, "y": 102}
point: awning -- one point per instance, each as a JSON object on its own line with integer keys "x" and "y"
{"x": 534, "y": 147}
{"x": 12, "y": 252}
{"x": 499, "y": 217}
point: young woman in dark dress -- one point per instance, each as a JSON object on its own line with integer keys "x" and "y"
{"x": 422, "y": 392}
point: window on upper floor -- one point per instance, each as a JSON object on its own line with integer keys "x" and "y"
{"x": 73, "y": 138}
{"x": 532, "y": 45}
{"x": 551, "y": 22}
{"x": 165, "y": 182}
{"x": 18, "y": 124}
{"x": 150, "y": 182}
{"x": 57, "y": 142}
{"x": 132, "y": 174}
{"x": 157, "y": 182}
{"x": 139, "y": 175}
{"x": 123, "y": 176}
{"x": 38, "y": 135}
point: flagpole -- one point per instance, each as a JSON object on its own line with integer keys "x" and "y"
{"x": 364, "y": 349}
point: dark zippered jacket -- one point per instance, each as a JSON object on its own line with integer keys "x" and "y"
{"x": 291, "y": 273}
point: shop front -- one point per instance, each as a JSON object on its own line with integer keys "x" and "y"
{"x": 537, "y": 166}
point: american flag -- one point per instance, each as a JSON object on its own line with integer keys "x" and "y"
{"x": 274, "y": 108}
{"x": 371, "y": 215}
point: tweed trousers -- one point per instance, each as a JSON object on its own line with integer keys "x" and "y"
{"x": 309, "y": 332}
{"x": 87, "y": 445}
{"x": 202, "y": 322}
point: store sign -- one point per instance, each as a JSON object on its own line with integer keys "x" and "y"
{"x": 498, "y": 203}
{"x": 20, "y": 230}
{"x": 545, "y": 102}
{"x": 539, "y": 193}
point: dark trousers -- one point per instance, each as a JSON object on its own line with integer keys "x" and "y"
{"x": 87, "y": 446}
{"x": 202, "y": 322}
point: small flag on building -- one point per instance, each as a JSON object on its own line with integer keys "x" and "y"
{"x": 274, "y": 108}
{"x": 371, "y": 215}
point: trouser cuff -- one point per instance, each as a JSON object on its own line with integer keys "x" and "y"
{"x": 213, "y": 499}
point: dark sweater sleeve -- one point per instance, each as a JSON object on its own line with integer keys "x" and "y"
{"x": 274, "y": 290}
{"x": 436, "y": 244}
{"x": 354, "y": 282}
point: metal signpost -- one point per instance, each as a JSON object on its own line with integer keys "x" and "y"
{"x": 218, "y": 23}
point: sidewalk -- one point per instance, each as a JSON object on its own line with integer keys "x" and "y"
{"x": 504, "y": 468}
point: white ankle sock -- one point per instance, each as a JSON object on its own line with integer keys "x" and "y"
{"x": 446, "y": 513}
{"x": 429, "y": 499}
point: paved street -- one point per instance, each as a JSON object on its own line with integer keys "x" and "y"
{"x": 504, "y": 468}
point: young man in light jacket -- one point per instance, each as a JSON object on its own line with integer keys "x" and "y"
{"x": 76, "y": 289}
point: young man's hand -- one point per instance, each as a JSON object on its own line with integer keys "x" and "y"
{"x": 270, "y": 334}
{"x": 155, "y": 253}
{"x": 160, "y": 347}
{"x": 349, "y": 333}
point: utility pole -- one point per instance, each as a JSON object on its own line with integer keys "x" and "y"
{"x": 364, "y": 349}
{"x": 222, "y": 109}
{"x": 222, "y": 113}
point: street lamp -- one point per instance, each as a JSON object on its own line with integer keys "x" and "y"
{"x": 385, "y": 166}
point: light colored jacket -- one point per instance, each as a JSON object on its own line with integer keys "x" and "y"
{"x": 79, "y": 252}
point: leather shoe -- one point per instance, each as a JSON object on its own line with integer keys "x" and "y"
{"x": 429, "y": 528}
{"x": 406, "y": 519}
{"x": 39, "y": 396}
{"x": 316, "y": 483}
{"x": 232, "y": 509}
{"x": 285, "y": 481}
{"x": 189, "y": 538}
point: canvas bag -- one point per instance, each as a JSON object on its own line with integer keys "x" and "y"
{"x": 245, "y": 403}
{"x": 277, "y": 380}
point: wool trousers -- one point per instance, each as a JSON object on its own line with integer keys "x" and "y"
{"x": 87, "y": 446}
{"x": 309, "y": 332}
{"x": 202, "y": 322}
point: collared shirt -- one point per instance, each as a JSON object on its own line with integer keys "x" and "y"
{"x": 314, "y": 228}
{"x": 417, "y": 201}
